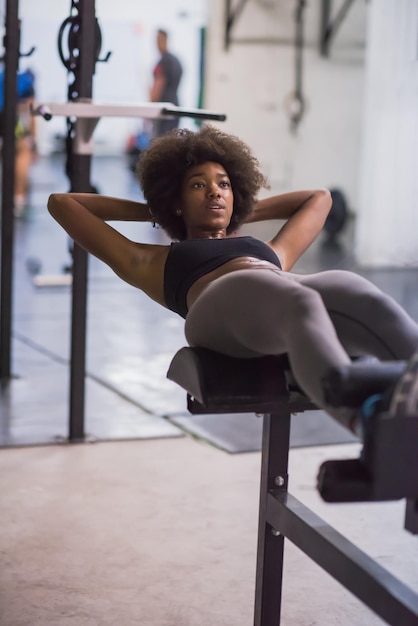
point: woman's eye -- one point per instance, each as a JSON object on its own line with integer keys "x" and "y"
{"x": 224, "y": 183}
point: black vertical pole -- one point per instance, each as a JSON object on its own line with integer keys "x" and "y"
{"x": 11, "y": 46}
{"x": 80, "y": 182}
{"x": 270, "y": 543}
{"x": 326, "y": 6}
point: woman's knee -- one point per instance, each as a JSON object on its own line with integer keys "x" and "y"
{"x": 303, "y": 303}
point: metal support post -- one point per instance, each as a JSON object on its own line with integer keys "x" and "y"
{"x": 270, "y": 550}
{"x": 78, "y": 170}
{"x": 11, "y": 63}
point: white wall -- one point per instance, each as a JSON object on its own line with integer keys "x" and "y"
{"x": 252, "y": 83}
{"x": 128, "y": 30}
{"x": 387, "y": 228}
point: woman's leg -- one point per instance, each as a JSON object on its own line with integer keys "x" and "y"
{"x": 318, "y": 320}
{"x": 256, "y": 312}
{"x": 367, "y": 321}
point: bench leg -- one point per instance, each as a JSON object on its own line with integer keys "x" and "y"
{"x": 411, "y": 515}
{"x": 274, "y": 468}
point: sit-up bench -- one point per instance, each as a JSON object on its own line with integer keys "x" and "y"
{"x": 388, "y": 470}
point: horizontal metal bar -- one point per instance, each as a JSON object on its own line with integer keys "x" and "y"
{"x": 96, "y": 110}
{"x": 199, "y": 114}
{"x": 377, "y": 588}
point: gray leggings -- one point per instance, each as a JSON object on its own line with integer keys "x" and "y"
{"x": 318, "y": 320}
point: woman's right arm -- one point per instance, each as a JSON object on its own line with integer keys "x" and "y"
{"x": 105, "y": 207}
{"x": 83, "y": 216}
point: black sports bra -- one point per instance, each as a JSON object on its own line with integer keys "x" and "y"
{"x": 190, "y": 259}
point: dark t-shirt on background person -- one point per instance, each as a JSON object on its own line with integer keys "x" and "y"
{"x": 170, "y": 68}
{"x": 167, "y": 75}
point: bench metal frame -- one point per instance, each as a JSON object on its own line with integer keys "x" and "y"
{"x": 282, "y": 516}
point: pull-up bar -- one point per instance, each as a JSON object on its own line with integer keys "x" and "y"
{"x": 89, "y": 113}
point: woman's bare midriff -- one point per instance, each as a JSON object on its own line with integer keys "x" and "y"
{"x": 241, "y": 263}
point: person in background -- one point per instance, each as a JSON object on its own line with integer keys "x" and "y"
{"x": 167, "y": 75}
{"x": 25, "y": 135}
{"x": 26, "y": 150}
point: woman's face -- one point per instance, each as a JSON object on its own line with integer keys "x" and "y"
{"x": 206, "y": 201}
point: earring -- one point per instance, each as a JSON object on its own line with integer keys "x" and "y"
{"x": 178, "y": 211}
{"x": 154, "y": 224}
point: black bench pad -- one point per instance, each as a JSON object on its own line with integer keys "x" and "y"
{"x": 222, "y": 384}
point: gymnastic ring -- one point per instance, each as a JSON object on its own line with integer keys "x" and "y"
{"x": 74, "y": 23}
{"x": 295, "y": 106}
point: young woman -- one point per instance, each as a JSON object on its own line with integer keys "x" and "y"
{"x": 237, "y": 294}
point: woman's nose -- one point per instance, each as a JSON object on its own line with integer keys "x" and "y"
{"x": 213, "y": 191}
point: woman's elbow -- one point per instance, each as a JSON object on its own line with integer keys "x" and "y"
{"x": 324, "y": 199}
{"x": 54, "y": 201}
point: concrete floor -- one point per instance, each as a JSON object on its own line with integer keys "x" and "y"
{"x": 160, "y": 529}
{"x": 163, "y": 533}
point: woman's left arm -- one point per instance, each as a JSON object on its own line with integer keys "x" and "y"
{"x": 305, "y": 213}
